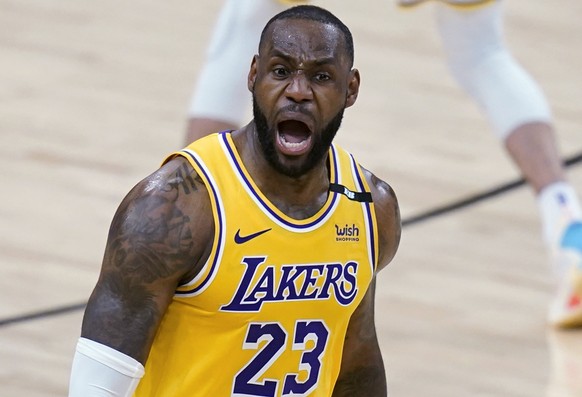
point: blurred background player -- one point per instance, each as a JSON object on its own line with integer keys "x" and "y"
{"x": 472, "y": 37}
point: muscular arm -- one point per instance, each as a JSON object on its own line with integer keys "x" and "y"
{"x": 159, "y": 236}
{"x": 362, "y": 371}
{"x": 388, "y": 218}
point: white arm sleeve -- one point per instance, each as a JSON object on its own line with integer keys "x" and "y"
{"x": 100, "y": 371}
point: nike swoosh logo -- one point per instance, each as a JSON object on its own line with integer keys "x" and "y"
{"x": 243, "y": 239}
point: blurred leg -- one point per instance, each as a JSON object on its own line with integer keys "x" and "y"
{"x": 221, "y": 97}
{"x": 518, "y": 111}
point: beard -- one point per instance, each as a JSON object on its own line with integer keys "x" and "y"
{"x": 322, "y": 143}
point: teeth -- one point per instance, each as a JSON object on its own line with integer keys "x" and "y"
{"x": 293, "y": 147}
{"x": 291, "y": 144}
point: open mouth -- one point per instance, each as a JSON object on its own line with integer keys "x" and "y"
{"x": 294, "y": 137}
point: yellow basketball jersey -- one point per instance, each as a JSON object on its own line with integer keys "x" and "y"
{"x": 267, "y": 315}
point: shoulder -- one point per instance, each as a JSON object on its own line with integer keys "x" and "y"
{"x": 175, "y": 184}
{"x": 387, "y": 216}
{"x": 168, "y": 212}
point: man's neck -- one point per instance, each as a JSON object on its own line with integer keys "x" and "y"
{"x": 297, "y": 197}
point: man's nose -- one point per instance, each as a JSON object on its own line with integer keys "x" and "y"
{"x": 299, "y": 88}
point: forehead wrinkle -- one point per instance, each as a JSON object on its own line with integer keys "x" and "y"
{"x": 291, "y": 36}
{"x": 303, "y": 60}
{"x": 310, "y": 52}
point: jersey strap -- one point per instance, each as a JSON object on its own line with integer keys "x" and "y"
{"x": 362, "y": 197}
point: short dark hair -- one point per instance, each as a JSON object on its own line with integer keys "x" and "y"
{"x": 318, "y": 14}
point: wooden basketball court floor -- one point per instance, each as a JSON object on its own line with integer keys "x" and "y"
{"x": 93, "y": 94}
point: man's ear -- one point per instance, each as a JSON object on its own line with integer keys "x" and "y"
{"x": 252, "y": 73}
{"x": 353, "y": 87}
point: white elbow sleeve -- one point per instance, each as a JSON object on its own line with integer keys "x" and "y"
{"x": 100, "y": 371}
{"x": 221, "y": 92}
{"x": 484, "y": 68}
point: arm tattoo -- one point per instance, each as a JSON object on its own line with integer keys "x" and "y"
{"x": 186, "y": 178}
{"x": 154, "y": 234}
{"x": 149, "y": 248}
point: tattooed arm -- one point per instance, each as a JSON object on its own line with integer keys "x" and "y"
{"x": 362, "y": 370}
{"x": 160, "y": 235}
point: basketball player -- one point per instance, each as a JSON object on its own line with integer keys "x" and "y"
{"x": 472, "y": 37}
{"x": 245, "y": 265}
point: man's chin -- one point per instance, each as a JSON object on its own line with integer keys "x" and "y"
{"x": 291, "y": 166}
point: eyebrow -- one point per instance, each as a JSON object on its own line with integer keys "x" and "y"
{"x": 317, "y": 62}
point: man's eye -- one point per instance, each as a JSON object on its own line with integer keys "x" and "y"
{"x": 280, "y": 72}
{"x": 321, "y": 77}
